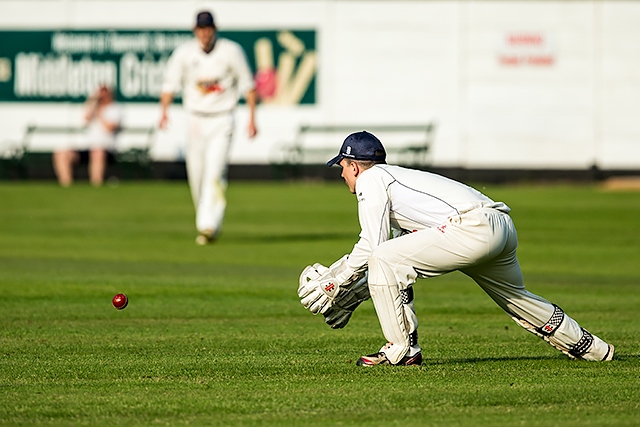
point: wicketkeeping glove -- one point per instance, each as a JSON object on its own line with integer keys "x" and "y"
{"x": 320, "y": 292}
{"x": 317, "y": 288}
{"x": 339, "y": 313}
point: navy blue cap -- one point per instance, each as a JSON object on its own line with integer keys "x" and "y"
{"x": 204, "y": 19}
{"x": 360, "y": 146}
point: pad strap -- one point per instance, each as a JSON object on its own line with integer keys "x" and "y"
{"x": 556, "y": 319}
{"x": 406, "y": 295}
{"x": 407, "y": 298}
{"x": 413, "y": 338}
{"x": 582, "y": 345}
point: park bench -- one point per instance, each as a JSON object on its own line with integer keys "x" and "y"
{"x": 19, "y": 159}
{"x": 314, "y": 144}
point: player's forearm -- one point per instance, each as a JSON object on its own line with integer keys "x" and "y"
{"x": 166, "y": 99}
{"x": 90, "y": 110}
{"x": 359, "y": 256}
{"x": 252, "y": 100}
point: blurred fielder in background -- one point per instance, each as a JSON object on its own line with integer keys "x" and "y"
{"x": 103, "y": 118}
{"x": 419, "y": 224}
{"x": 213, "y": 74}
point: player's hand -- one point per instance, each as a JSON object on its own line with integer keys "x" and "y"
{"x": 337, "y": 317}
{"x": 252, "y": 131}
{"x": 316, "y": 289}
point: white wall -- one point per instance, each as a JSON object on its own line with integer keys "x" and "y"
{"x": 512, "y": 84}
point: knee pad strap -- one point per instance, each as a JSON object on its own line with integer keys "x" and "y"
{"x": 406, "y": 295}
{"x": 582, "y": 345}
{"x": 556, "y": 319}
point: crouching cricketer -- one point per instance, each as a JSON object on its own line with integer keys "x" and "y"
{"x": 419, "y": 224}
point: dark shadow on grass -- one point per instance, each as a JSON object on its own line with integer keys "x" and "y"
{"x": 281, "y": 238}
{"x": 490, "y": 359}
{"x": 618, "y": 357}
{"x": 626, "y": 357}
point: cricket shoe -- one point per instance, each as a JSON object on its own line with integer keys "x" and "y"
{"x": 381, "y": 359}
{"x": 206, "y": 237}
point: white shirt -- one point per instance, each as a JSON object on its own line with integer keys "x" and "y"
{"x": 97, "y": 135}
{"x": 210, "y": 82}
{"x": 407, "y": 200}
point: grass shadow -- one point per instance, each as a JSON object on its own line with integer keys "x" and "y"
{"x": 282, "y": 238}
{"x": 617, "y": 357}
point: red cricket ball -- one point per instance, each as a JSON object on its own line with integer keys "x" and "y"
{"x": 120, "y": 301}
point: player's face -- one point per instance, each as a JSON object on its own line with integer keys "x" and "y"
{"x": 204, "y": 35}
{"x": 349, "y": 174}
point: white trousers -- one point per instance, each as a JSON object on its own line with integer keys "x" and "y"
{"x": 482, "y": 244}
{"x": 207, "y": 157}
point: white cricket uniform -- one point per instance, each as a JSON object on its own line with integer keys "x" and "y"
{"x": 445, "y": 226}
{"x": 212, "y": 84}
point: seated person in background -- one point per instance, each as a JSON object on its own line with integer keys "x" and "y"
{"x": 103, "y": 117}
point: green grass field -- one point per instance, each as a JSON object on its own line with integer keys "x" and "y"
{"x": 216, "y": 335}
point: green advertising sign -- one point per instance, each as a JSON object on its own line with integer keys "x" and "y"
{"x": 67, "y": 65}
